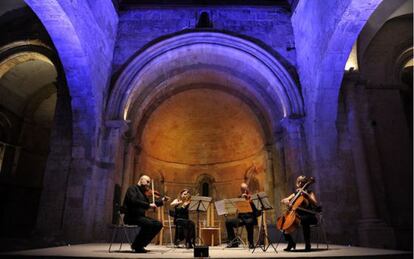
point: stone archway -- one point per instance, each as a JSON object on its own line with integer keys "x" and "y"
{"x": 45, "y": 132}
{"x": 203, "y": 60}
{"x": 84, "y": 41}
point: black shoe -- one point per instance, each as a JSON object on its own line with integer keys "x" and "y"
{"x": 290, "y": 246}
{"x": 232, "y": 245}
{"x": 307, "y": 247}
{"x": 140, "y": 250}
{"x": 251, "y": 246}
{"x": 189, "y": 246}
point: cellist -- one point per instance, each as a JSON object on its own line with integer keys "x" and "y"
{"x": 306, "y": 216}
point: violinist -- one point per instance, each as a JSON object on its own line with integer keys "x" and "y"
{"x": 136, "y": 202}
{"x": 249, "y": 220}
{"x": 306, "y": 213}
{"x": 181, "y": 219}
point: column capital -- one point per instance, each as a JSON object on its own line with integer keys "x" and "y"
{"x": 117, "y": 123}
{"x": 122, "y": 127}
{"x": 292, "y": 124}
{"x": 354, "y": 78}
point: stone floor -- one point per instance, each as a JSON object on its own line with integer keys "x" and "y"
{"x": 100, "y": 250}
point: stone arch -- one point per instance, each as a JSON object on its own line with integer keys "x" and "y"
{"x": 278, "y": 83}
{"x": 77, "y": 70}
{"x": 204, "y": 60}
{"x": 18, "y": 53}
{"x": 321, "y": 57}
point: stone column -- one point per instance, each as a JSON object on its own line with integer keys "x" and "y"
{"x": 372, "y": 231}
{"x": 53, "y": 201}
{"x": 280, "y": 186}
{"x": 109, "y": 172}
{"x": 294, "y": 146}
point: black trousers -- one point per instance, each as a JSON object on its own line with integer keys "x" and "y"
{"x": 185, "y": 228}
{"x": 237, "y": 222}
{"x": 306, "y": 221}
{"x": 149, "y": 229}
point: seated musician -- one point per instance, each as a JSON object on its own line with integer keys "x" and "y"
{"x": 307, "y": 218}
{"x": 249, "y": 220}
{"x": 135, "y": 204}
{"x": 181, "y": 218}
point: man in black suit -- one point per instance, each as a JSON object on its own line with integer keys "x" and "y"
{"x": 135, "y": 205}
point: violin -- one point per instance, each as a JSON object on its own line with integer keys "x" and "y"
{"x": 290, "y": 219}
{"x": 157, "y": 195}
{"x": 152, "y": 194}
{"x": 185, "y": 199}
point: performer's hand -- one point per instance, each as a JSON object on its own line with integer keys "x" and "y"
{"x": 285, "y": 201}
{"x": 152, "y": 205}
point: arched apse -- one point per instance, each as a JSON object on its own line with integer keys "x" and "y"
{"x": 204, "y": 61}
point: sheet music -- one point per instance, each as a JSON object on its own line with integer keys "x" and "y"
{"x": 199, "y": 203}
{"x": 260, "y": 199}
{"x": 220, "y": 207}
{"x": 232, "y": 206}
{"x": 243, "y": 206}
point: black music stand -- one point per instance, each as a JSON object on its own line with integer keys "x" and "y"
{"x": 199, "y": 203}
{"x": 262, "y": 203}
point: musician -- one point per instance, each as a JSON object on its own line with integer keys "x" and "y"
{"x": 249, "y": 220}
{"x": 181, "y": 218}
{"x": 306, "y": 218}
{"x": 135, "y": 204}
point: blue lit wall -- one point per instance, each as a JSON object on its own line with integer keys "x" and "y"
{"x": 269, "y": 25}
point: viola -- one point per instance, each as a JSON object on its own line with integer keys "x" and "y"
{"x": 289, "y": 221}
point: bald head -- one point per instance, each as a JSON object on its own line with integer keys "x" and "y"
{"x": 243, "y": 187}
{"x": 144, "y": 180}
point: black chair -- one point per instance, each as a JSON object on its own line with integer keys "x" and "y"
{"x": 120, "y": 226}
{"x": 319, "y": 228}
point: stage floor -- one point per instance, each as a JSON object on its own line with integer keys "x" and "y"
{"x": 100, "y": 250}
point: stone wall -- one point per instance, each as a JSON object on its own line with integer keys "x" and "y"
{"x": 84, "y": 34}
{"x": 202, "y": 132}
{"x": 268, "y": 25}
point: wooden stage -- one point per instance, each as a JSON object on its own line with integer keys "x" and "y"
{"x": 100, "y": 250}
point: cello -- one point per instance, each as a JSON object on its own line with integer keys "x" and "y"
{"x": 288, "y": 222}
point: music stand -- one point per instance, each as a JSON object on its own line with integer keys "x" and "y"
{"x": 199, "y": 203}
{"x": 262, "y": 203}
{"x": 234, "y": 206}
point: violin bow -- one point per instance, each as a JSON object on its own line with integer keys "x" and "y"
{"x": 153, "y": 193}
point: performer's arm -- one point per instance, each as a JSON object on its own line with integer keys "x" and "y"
{"x": 287, "y": 199}
{"x": 312, "y": 198}
{"x": 159, "y": 202}
{"x": 134, "y": 197}
{"x": 175, "y": 202}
